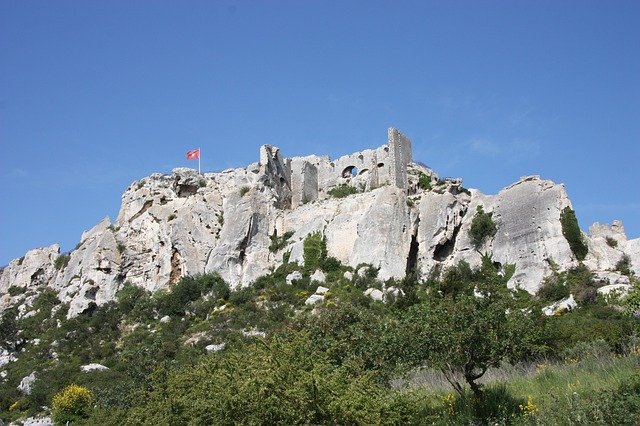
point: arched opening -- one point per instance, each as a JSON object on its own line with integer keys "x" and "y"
{"x": 363, "y": 171}
{"x": 350, "y": 171}
{"x": 380, "y": 164}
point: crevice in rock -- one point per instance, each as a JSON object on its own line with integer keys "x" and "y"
{"x": 145, "y": 207}
{"x": 242, "y": 247}
{"x": 176, "y": 273}
{"x": 412, "y": 259}
{"x": 444, "y": 250}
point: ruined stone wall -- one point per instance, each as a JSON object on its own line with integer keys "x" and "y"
{"x": 277, "y": 172}
{"x": 400, "y": 157}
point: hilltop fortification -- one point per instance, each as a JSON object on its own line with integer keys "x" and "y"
{"x": 399, "y": 216}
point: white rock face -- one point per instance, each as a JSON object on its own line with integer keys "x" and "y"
{"x": 35, "y": 269}
{"x": 620, "y": 290}
{"x": 184, "y": 223}
{"x": 93, "y": 367}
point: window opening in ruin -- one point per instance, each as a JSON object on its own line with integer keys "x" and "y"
{"x": 380, "y": 164}
{"x": 363, "y": 171}
{"x": 350, "y": 171}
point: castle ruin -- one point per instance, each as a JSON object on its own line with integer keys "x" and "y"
{"x": 300, "y": 180}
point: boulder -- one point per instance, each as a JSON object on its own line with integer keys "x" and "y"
{"x": 566, "y": 304}
{"x": 26, "y": 383}
{"x": 374, "y": 294}
{"x": 294, "y": 276}
{"x": 318, "y": 276}
{"x": 93, "y": 367}
{"x": 313, "y": 299}
{"x": 214, "y": 348}
{"x": 321, "y": 290}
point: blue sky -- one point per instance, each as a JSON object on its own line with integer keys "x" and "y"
{"x": 94, "y": 95}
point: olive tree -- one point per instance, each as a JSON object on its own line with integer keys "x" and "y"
{"x": 465, "y": 333}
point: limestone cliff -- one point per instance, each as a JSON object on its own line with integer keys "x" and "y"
{"x": 182, "y": 224}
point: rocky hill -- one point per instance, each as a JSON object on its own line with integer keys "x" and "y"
{"x": 377, "y": 207}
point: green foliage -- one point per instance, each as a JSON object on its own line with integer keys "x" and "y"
{"x": 71, "y": 404}
{"x": 424, "y": 181}
{"x": 631, "y": 303}
{"x": 189, "y": 289}
{"x": 171, "y": 217}
{"x": 314, "y": 250}
{"x": 482, "y": 227}
{"x": 624, "y": 265}
{"x": 15, "y": 290}
{"x": 62, "y": 261}
{"x": 278, "y": 243}
{"x": 273, "y": 382}
{"x": 588, "y": 324}
{"x": 553, "y": 289}
{"x": 463, "y": 334}
{"x": 244, "y": 190}
{"x": 582, "y": 285}
{"x": 342, "y": 190}
{"x": 612, "y": 242}
{"x": 572, "y": 233}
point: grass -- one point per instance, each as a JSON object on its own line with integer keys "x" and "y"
{"x": 546, "y": 392}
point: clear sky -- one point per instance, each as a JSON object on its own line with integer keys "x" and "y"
{"x": 97, "y": 94}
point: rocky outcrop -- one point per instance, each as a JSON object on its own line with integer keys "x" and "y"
{"x": 187, "y": 223}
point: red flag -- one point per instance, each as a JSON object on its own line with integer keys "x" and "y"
{"x": 194, "y": 154}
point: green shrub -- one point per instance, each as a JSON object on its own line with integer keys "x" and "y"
{"x": 482, "y": 227}
{"x": 278, "y": 243}
{"x": 624, "y": 265}
{"x": 71, "y": 404}
{"x": 553, "y": 289}
{"x": 62, "y": 261}
{"x": 171, "y": 217}
{"x": 424, "y": 182}
{"x": 244, "y": 190}
{"x": 342, "y": 191}
{"x": 314, "y": 250}
{"x": 580, "y": 282}
{"x": 573, "y": 234}
{"x": 15, "y": 290}
{"x": 612, "y": 242}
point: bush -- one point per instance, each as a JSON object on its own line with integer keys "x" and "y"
{"x": 314, "y": 250}
{"x": 71, "y": 404}
{"x": 611, "y": 242}
{"x": 624, "y": 265}
{"x": 244, "y": 190}
{"x": 342, "y": 191}
{"x": 424, "y": 182}
{"x": 278, "y": 243}
{"x": 553, "y": 289}
{"x": 62, "y": 261}
{"x": 573, "y": 234}
{"x": 482, "y": 227}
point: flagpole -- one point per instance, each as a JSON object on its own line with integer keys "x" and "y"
{"x": 199, "y": 155}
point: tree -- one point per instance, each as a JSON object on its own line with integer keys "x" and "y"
{"x": 466, "y": 332}
{"x": 572, "y": 233}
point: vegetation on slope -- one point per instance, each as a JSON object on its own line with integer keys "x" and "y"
{"x": 331, "y": 363}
